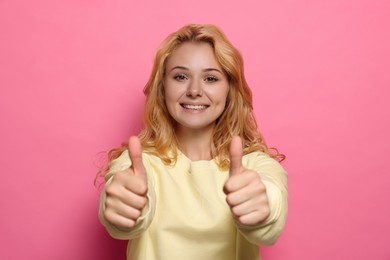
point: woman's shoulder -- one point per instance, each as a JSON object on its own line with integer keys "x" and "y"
{"x": 256, "y": 156}
{"x": 261, "y": 161}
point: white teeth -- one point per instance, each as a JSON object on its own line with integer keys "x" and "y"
{"x": 194, "y": 107}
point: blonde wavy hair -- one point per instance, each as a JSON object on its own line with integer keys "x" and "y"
{"x": 158, "y": 136}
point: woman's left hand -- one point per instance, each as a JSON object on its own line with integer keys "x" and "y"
{"x": 245, "y": 192}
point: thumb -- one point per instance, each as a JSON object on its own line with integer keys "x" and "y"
{"x": 135, "y": 153}
{"x": 236, "y": 152}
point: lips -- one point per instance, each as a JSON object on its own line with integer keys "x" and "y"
{"x": 194, "y": 107}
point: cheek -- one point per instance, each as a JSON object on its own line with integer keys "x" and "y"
{"x": 170, "y": 92}
{"x": 170, "y": 99}
{"x": 223, "y": 95}
{"x": 167, "y": 93}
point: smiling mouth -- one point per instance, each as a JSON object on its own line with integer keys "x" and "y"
{"x": 194, "y": 107}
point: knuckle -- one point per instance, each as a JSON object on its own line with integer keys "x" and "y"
{"x": 230, "y": 199}
{"x": 143, "y": 188}
{"x": 108, "y": 215}
{"x": 252, "y": 174}
{"x": 137, "y": 214}
{"x": 262, "y": 215}
{"x": 242, "y": 220}
{"x": 132, "y": 223}
{"x": 108, "y": 204}
{"x": 118, "y": 177}
{"x": 110, "y": 190}
{"x": 262, "y": 201}
{"x": 129, "y": 224}
{"x": 143, "y": 202}
{"x": 139, "y": 203}
{"x": 235, "y": 211}
{"x": 228, "y": 187}
{"x": 260, "y": 188}
{"x": 266, "y": 212}
{"x": 121, "y": 177}
{"x": 225, "y": 190}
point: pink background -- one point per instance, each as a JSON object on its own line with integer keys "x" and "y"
{"x": 71, "y": 75}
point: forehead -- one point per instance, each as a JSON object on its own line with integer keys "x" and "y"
{"x": 193, "y": 54}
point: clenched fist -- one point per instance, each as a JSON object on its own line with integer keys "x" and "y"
{"x": 245, "y": 192}
{"x": 126, "y": 194}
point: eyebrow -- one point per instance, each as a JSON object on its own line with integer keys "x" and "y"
{"x": 204, "y": 70}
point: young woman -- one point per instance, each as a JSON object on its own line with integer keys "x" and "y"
{"x": 199, "y": 182}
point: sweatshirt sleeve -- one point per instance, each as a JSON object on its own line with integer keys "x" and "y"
{"x": 274, "y": 178}
{"x": 121, "y": 163}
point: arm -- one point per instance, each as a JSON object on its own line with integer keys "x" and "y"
{"x": 256, "y": 194}
{"x": 127, "y": 202}
{"x": 274, "y": 178}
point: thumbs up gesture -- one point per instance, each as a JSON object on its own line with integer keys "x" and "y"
{"x": 245, "y": 192}
{"x": 126, "y": 194}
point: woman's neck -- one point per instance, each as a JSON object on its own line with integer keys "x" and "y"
{"x": 195, "y": 144}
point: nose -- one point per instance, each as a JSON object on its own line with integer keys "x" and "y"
{"x": 194, "y": 89}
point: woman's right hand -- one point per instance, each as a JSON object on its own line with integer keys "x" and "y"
{"x": 126, "y": 194}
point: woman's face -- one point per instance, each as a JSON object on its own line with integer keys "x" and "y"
{"x": 195, "y": 86}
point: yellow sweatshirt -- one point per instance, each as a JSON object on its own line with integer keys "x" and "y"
{"x": 187, "y": 216}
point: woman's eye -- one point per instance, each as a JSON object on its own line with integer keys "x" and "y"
{"x": 180, "y": 77}
{"x": 211, "y": 79}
